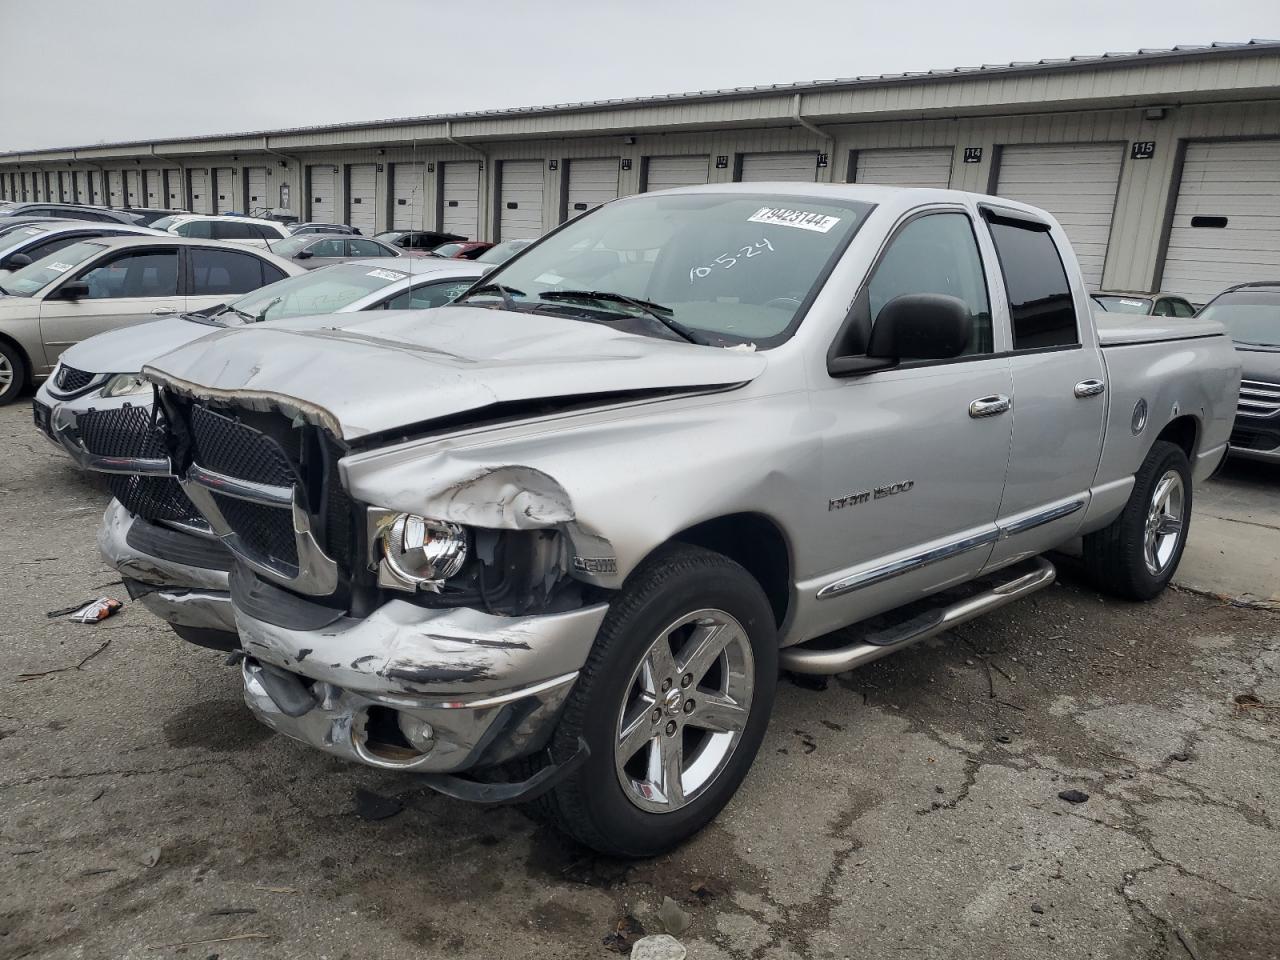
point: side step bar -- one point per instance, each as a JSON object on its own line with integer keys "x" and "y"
{"x": 874, "y": 645}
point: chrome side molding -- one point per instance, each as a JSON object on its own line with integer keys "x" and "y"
{"x": 898, "y": 567}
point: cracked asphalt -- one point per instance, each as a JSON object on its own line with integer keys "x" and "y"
{"x": 909, "y": 809}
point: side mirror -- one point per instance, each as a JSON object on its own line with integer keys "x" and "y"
{"x": 916, "y": 326}
{"x": 73, "y": 290}
{"x": 16, "y": 261}
{"x": 303, "y": 255}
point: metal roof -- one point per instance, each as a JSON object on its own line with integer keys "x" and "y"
{"x": 1114, "y": 58}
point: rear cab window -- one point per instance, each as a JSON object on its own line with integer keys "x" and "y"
{"x": 1041, "y": 308}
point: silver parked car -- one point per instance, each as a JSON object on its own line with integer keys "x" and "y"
{"x": 31, "y": 242}
{"x": 101, "y": 372}
{"x": 312, "y": 250}
{"x": 579, "y": 518}
{"x": 246, "y": 230}
{"x": 97, "y": 285}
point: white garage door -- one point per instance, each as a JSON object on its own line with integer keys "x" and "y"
{"x": 153, "y": 188}
{"x": 1077, "y": 184}
{"x": 224, "y": 181}
{"x": 591, "y": 183}
{"x": 409, "y": 192}
{"x": 798, "y": 167}
{"x": 1226, "y": 224}
{"x": 362, "y": 197}
{"x": 520, "y": 207}
{"x": 324, "y": 193}
{"x": 460, "y": 198}
{"x": 175, "y": 193}
{"x": 904, "y": 168}
{"x": 133, "y": 185}
{"x": 115, "y": 188}
{"x": 200, "y": 199}
{"x": 663, "y": 173}
{"x": 64, "y": 186}
{"x": 259, "y": 202}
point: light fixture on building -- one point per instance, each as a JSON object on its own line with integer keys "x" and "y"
{"x": 1154, "y": 113}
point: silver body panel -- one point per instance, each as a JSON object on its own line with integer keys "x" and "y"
{"x": 732, "y": 432}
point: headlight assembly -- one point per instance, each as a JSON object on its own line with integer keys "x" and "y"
{"x": 420, "y": 553}
{"x": 125, "y": 385}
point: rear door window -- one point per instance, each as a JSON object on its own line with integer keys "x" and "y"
{"x": 200, "y": 229}
{"x": 366, "y": 248}
{"x": 1040, "y": 303}
{"x": 328, "y": 248}
{"x": 216, "y": 273}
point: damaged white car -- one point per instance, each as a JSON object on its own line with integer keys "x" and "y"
{"x": 555, "y": 544}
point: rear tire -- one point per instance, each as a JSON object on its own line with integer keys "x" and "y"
{"x": 13, "y": 373}
{"x": 1137, "y": 554}
{"x": 642, "y": 711}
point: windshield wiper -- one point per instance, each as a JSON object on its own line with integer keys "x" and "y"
{"x": 262, "y": 314}
{"x": 4, "y": 292}
{"x": 655, "y": 311}
{"x": 507, "y": 293}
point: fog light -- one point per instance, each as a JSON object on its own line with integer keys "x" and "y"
{"x": 418, "y": 732}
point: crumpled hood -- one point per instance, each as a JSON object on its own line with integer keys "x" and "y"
{"x": 366, "y": 373}
{"x": 129, "y": 349}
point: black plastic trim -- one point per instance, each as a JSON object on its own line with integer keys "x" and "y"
{"x": 276, "y": 606}
{"x": 165, "y": 543}
{"x": 522, "y": 791}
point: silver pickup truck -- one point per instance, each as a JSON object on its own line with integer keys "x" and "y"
{"x": 553, "y": 543}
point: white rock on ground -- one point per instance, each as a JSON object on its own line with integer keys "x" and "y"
{"x": 659, "y": 946}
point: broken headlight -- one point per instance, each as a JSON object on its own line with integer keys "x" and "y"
{"x": 125, "y": 385}
{"x": 419, "y": 553}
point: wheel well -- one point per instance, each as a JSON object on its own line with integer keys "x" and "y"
{"x": 755, "y": 542}
{"x": 30, "y": 372}
{"x": 1184, "y": 432}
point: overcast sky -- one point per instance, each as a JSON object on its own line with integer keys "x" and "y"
{"x": 76, "y": 72}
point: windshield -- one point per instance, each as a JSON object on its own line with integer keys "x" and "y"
{"x": 448, "y": 249}
{"x": 43, "y": 272}
{"x": 17, "y": 238}
{"x": 291, "y": 245}
{"x": 1116, "y": 304}
{"x": 733, "y": 268}
{"x": 391, "y": 236}
{"x": 327, "y": 290}
{"x": 1250, "y": 316}
{"x": 502, "y": 252}
{"x": 164, "y": 223}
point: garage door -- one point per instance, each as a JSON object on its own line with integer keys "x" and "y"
{"x": 362, "y": 197}
{"x": 904, "y": 168}
{"x": 1077, "y": 184}
{"x": 200, "y": 191}
{"x": 115, "y": 189}
{"x": 64, "y": 186}
{"x": 79, "y": 187}
{"x": 1226, "y": 222}
{"x": 409, "y": 196}
{"x": 174, "y": 190}
{"x": 460, "y": 198}
{"x": 520, "y": 206}
{"x": 591, "y": 183}
{"x": 799, "y": 167}
{"x": 224, "y": 181}
{"x": 324, "y": 193}
{"x": 153, "y": 192}
{"x": 259, "y": 202}
{"x": 663, "y": 173}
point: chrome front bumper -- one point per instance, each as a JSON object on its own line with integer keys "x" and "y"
{"x": 178, "y": 593}
{"x": 458, "y": 689}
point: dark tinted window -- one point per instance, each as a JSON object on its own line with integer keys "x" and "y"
{"x": 135, "y": 275}
{"x": 1040, "y": 303}
{"x": 328, "y": 248}
{"x": 936, "y": 254}
{"x": 38, "y": 250}
{"x": 215, "y": 273}
{"x": 200, "y": 229}
{"x": 1183, "y": 309}
{"x": 1163, "y": 308}
{"x": 429, "y": 295}
{"x": 267, "y": 233}
{"x": 227, "y": 230}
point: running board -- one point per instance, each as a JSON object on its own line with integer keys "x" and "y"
{"x": 872, "y": 644}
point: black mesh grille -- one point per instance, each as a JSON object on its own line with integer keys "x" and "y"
{"x": 71, "y": 380}
{"x": 155, "y": 498}
{"x": 264, "y": 531}
{"x": 123, "y": 432}
{"x": 228, "y": 446}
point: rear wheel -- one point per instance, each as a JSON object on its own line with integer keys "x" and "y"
{"x": 673, "y": 702}
{"x": 1137, "y": 555}
{"x": 13, "y": 373}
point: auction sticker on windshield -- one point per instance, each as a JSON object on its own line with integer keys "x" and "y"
{"x": 61, "y": 267}
{"x": 386, "y": 274}
{"x": 791, "y": 217}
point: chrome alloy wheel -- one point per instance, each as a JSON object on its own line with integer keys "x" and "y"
{"x": 1165, "y": 520}
{"x": 684, "y": 711}
{"x": 6, "y": 373}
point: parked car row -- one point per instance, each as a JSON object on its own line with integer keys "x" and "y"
{"x": 552, "y": 542}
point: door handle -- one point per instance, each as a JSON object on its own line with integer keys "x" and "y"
{"x": 163, "y": 311}
{"x": 1089, "y": 388}
{"x": 991, "y": 406}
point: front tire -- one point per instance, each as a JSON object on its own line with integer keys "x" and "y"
{"x": 1137, "y": 554}
{"x": 13, "y": 373}
{"x": 673, "y": 702}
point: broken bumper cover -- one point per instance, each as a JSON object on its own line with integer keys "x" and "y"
{"x": 184, "y": 594}
{"x": 415, "y": 689}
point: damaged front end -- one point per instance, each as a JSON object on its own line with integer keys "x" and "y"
{"x": 395, "y": 639}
